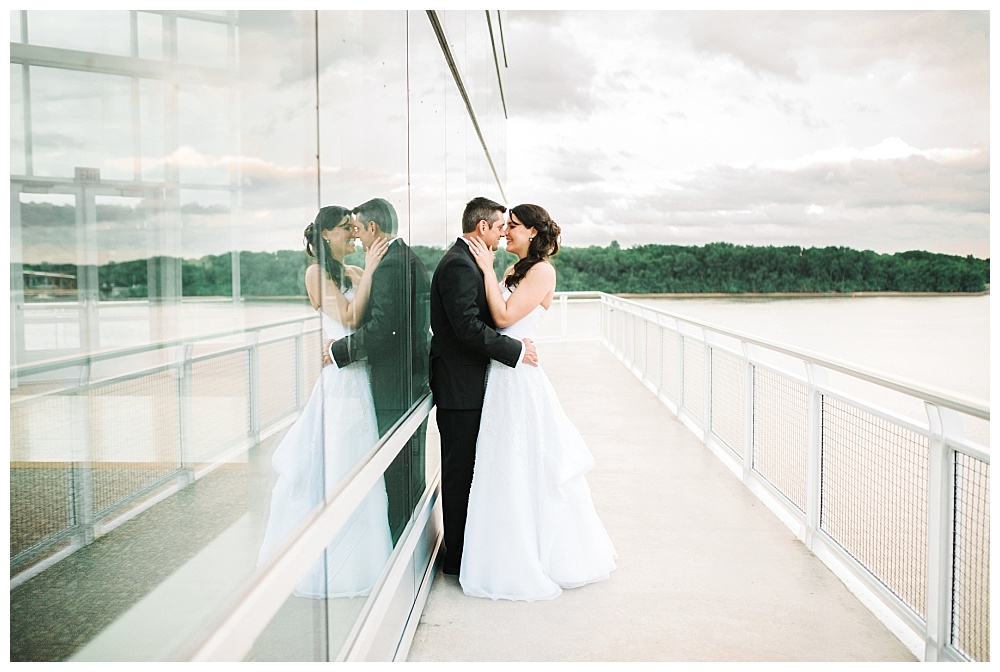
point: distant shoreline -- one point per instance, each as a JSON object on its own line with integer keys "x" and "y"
{"x": 704, "y": 295}
{"x": 795, "y": 295}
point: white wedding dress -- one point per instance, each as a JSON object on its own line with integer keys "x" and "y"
{"x": 532, "y": 529}
{"x": 336, "y": 429}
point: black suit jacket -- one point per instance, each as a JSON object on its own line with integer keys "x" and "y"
{"x": 464, "y": 338}
{"x": 393, "y": 334}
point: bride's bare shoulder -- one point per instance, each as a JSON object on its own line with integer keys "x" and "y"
{"x": 542, "y": 270}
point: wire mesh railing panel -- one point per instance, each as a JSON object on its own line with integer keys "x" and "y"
{"x": 39, "y": 503}
{"x": 134, "y": 437}
{"x": 629, "y": 342}
{"x": 276, "y": 364}
{"x": 970, "y": 618}
{"x": 694, "y": 377}
{"x": 874, "y": 496}
{"x": 781, "y": 433}
{"x": 639, "y": 347}
{"x": 728, "y": 399}
{"x": 220, "y": 412}
{"x": 654, "y": 356}
{"x": 43, "y": 435}
{"x": 670, "y": 352}
{"x": 618, "y": 332}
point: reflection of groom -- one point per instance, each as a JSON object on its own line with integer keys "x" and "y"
{"x": 463, "y": 342}
{"x": 393, "y": 336}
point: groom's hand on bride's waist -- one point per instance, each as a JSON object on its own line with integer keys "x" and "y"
{"x": 327, "y": 357}
{"x": 530, "y": 354}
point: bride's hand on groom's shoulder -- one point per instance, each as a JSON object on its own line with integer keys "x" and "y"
{"x": 482, "y": 254}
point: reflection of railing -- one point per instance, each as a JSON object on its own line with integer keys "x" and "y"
{"x": 39, "y": 285}
{"x": 232, "y": 637}
{"x": 97, "y": 439}
{"x": 899, "y": 509}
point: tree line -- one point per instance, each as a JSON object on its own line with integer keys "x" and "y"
{"x": 712, "y": 268}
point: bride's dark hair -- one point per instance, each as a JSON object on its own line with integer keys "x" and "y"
{"x": 328, "y": 218}
{"x": 543, "y": 245}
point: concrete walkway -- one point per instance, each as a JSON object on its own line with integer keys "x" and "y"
{"x": 705, "y": 571}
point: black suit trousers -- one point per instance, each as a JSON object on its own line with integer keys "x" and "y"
{"x": 459, "y": 430}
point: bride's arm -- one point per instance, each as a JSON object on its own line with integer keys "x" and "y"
{"x": 347, "y": 312}
{"x": 539, "y": 282}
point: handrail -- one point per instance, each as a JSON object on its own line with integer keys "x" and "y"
{"x": 936, "y": 605}
{"x": 945, "y": 398}
{"x": 253, "y": 609}
{"x": 31, "y": 368}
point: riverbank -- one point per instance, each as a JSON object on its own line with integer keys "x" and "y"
{"x": 795, "y": 295}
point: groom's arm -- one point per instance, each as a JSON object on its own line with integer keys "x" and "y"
{"x": 386, "y": 316}
{"x": 459, "y": 288}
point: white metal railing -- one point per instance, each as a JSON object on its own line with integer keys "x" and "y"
{"x": 180, "y": 409}
{"x": 152, "y": 417}
{"x": 898, "y": 508}
{"x": 194, "y": 403}
{"x": 810, "y": 451}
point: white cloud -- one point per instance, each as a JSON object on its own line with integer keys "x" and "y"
{"x": 848, "y": 128}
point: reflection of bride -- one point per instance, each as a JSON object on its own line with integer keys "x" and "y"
{"x": 532, "y": 529}
{"x": 337, "y": 427}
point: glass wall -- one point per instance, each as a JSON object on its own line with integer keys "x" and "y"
{"x": 174, "y": 431}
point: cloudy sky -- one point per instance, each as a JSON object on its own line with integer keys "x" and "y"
{"x": 865, "y": 129}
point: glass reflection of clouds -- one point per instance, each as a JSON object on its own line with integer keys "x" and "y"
{"x": 163, "y": 166}
{"x": 102, "y": 32}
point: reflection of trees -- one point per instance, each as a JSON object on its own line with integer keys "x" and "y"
{"x": 717, "y": 267}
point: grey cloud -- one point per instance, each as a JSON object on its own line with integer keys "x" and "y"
{"x": 956, "y": 186}
{"x": 758, "y": 40}
{"x": 952, "y": 47}
{"x": 911, "y": 203}
{"x": 554, "y": 73}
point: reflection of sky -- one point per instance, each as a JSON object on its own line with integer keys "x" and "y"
{"x": 866, "y": 130}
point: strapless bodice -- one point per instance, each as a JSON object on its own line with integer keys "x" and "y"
{"x": 332, "y": 328}
{"x": 528, "y": 325}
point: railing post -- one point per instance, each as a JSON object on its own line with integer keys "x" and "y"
{"x": 749, "y": 352}
{"x": 253, "y": 382}
{"x": 600, "y": 320}
{"x": 706, "y": 406}
{"x": 626, "y": 341}
{"x": 816, "y": 377}
{"x": 645, "y": 346}
{"x": 185, "y": 411}
{"x": 680, "y": 367}
{"x": 564, "y": 314}
{"x": 659, "y": 379}
{"x": 82, "y": 464}
{"x": 940, "y": 497}
{"x": 300, "y": 367}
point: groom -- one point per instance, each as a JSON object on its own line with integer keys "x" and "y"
{"x": 464, "y": 341}
{"x": 393, "y": 337}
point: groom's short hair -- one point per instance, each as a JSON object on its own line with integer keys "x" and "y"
{"x": 479, "y": 208}
{"x": 381, "y": 212}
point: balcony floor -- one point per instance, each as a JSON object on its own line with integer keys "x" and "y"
{"x": 705, "y": 571}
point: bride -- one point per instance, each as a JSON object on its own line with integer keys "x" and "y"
{"x": 532, "y": 529}
{"x": 337, "y": 426}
